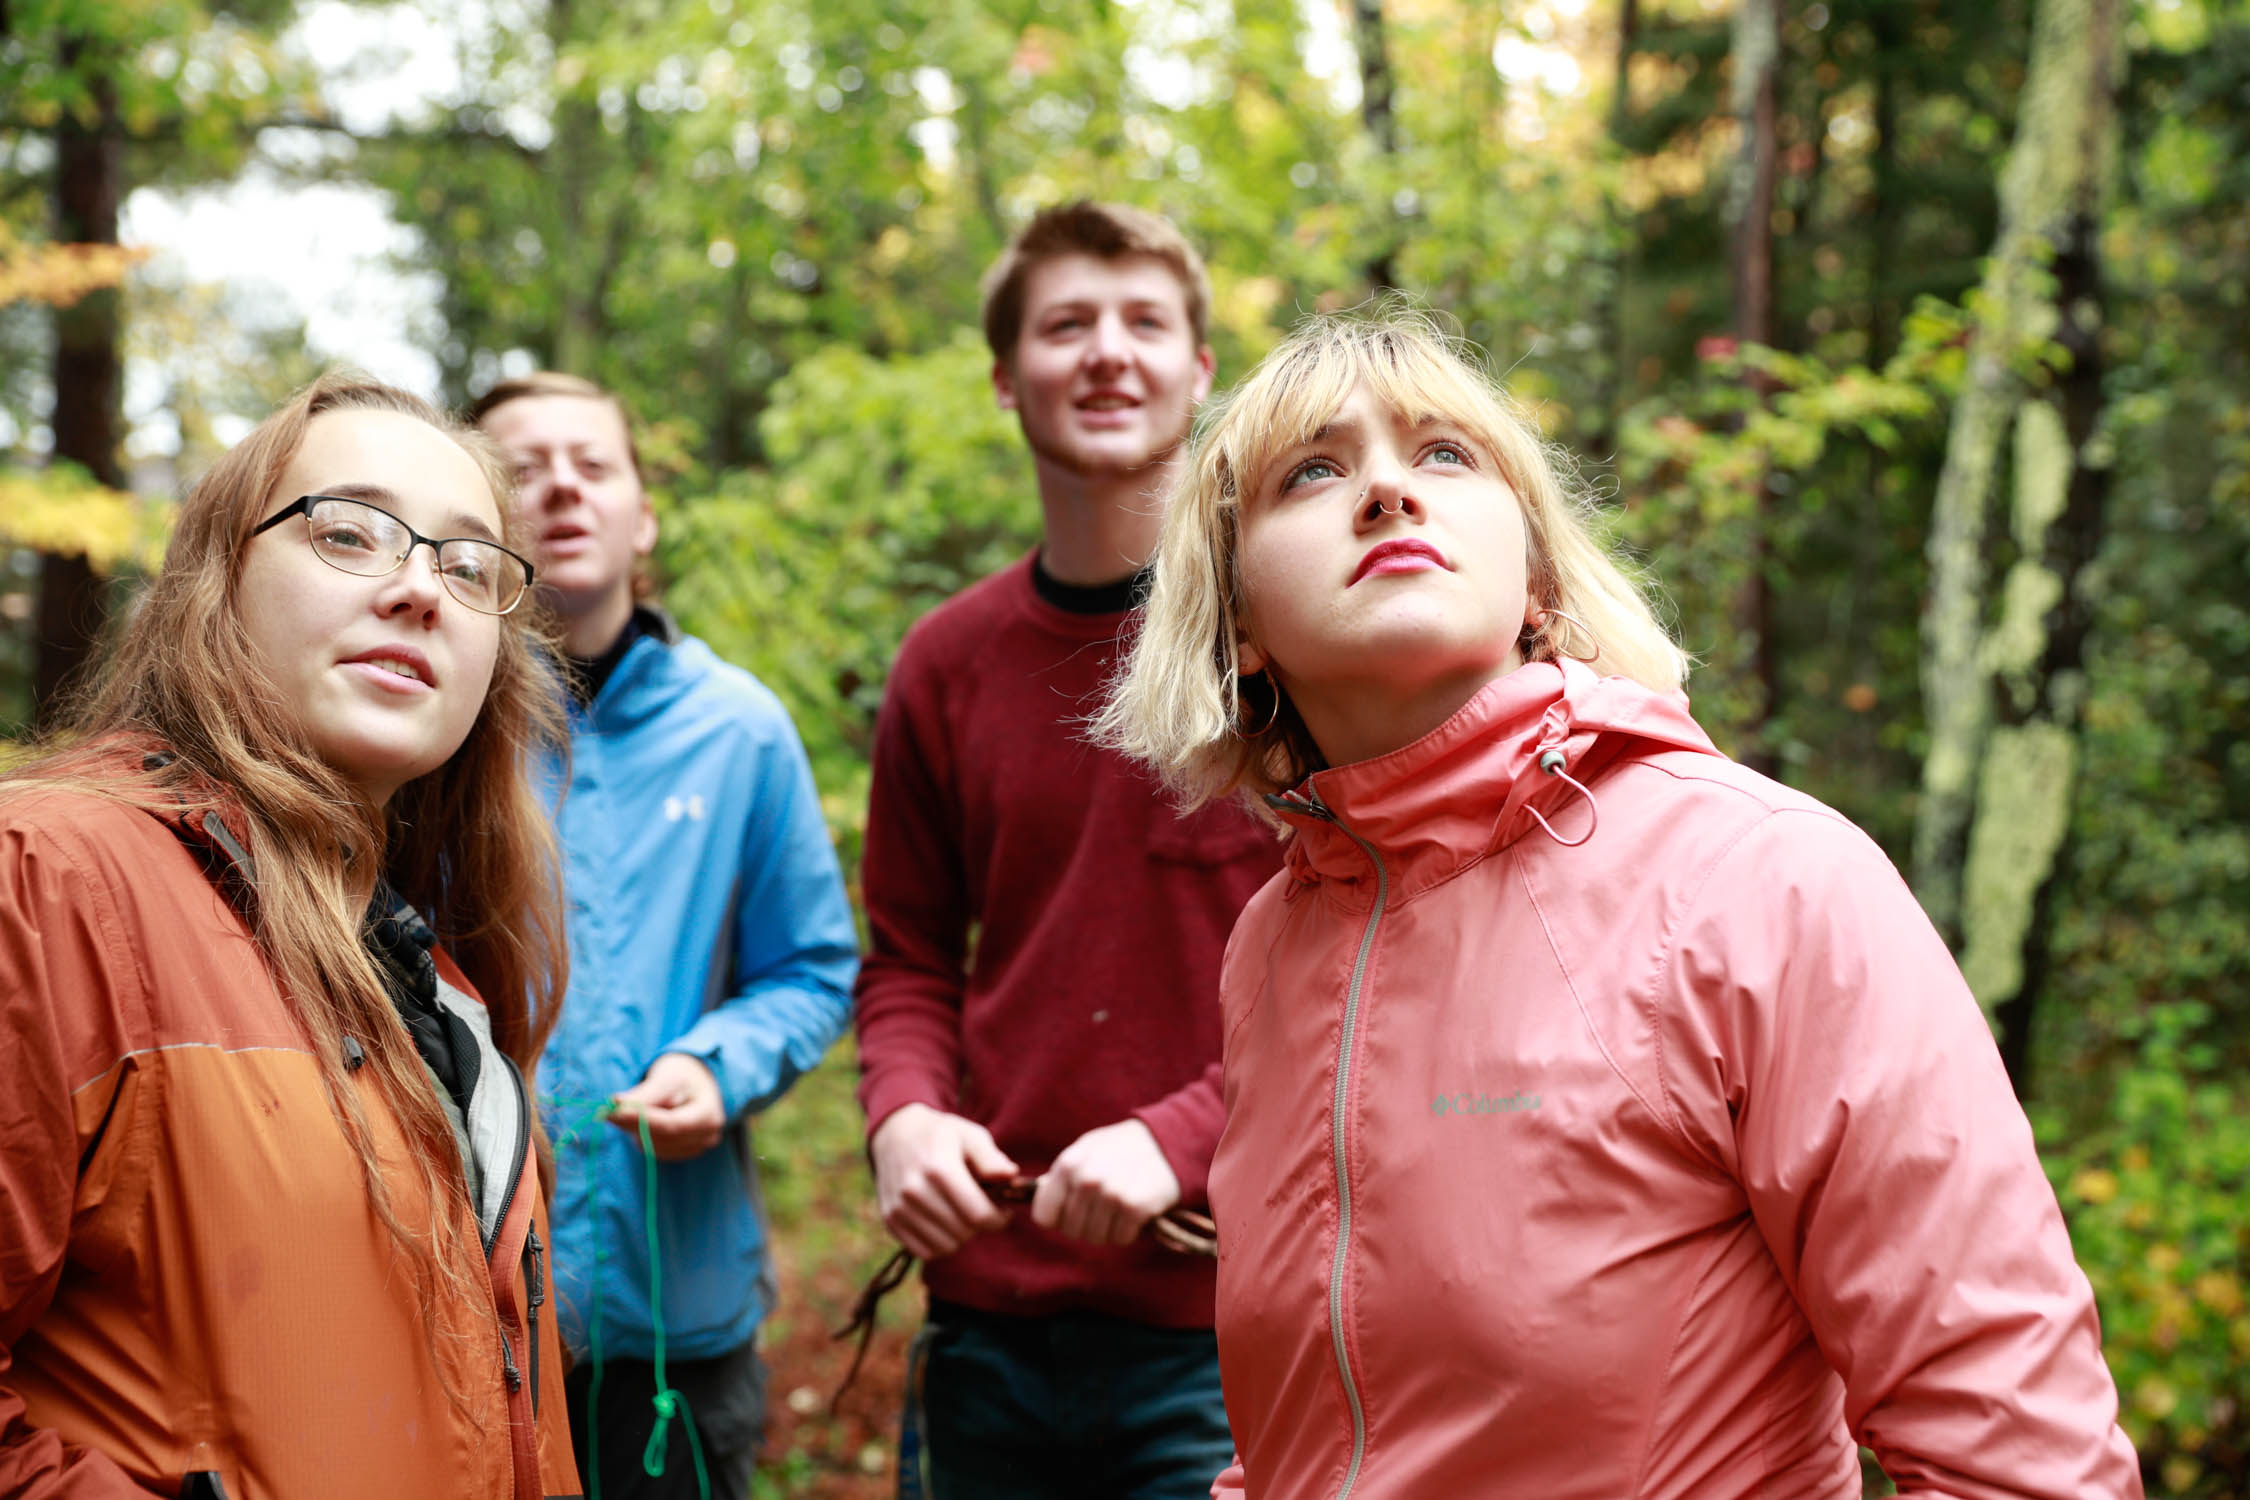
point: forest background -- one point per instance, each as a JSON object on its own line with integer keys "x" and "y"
{"x": 1908, "y": 341}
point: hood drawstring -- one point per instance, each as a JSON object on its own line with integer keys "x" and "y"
{"x": 1551, "y": 761}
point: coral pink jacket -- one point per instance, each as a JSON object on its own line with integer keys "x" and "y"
{"x": 1663, "y": 1154}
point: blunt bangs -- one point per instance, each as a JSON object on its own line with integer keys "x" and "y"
{"x": 1412, "y": 369}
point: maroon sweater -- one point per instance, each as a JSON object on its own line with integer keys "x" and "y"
{"x": 1046, "y": 936}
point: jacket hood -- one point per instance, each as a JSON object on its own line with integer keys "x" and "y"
{"x": 1475, "y": 784}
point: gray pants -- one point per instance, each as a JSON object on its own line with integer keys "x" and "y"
{"x": 726, "y": 1396}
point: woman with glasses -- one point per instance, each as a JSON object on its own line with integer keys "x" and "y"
{"x": 1603, "y": 1118}
{"x": 273, "y": 1216}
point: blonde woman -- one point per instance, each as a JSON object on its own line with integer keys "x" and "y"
{"x": 274, "y": 1223}
{"x": 1603, "y": 1119}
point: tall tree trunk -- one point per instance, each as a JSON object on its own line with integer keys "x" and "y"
{"x": 89, "y": 167}
{"x": 1609, "y": 315}
{"x": 1377, "y": 113}
{"x": 1628, "y": 39}
{"x": 2002, "y": 677}
{"x": 1757, "y": 61}
{"x": 1756, "y": 64}
{"x": 1883, "y": 209}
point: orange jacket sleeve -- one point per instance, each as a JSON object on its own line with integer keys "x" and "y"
{"x": 65, "y": 991}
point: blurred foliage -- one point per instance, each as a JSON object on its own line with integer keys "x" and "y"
{"x": 2155, "y": 1205}
{"x": 60, "y": 510}
{"x": 893, "y": 483}
{"x": 178, "y": 89}
{"x": 763, "y": 223}
{"x": 58, "y": 275}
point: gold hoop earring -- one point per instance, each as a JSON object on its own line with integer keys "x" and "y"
{"x": 1273, "y": 687}
{"x": 1548, "y": 614}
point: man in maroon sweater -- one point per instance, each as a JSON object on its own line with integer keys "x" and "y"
{"x": 1041, "y": 996}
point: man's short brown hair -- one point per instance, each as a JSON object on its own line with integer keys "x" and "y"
{"x": 555, "y": 383}
{"x": 1106, "y": 230}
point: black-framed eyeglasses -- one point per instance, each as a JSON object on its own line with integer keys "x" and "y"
{"x": 355, "y": 537}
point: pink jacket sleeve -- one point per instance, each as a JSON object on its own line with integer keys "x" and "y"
{"x": 1820, "y": 1044}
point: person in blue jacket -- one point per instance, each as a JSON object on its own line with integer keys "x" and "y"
{"x": 712, "y": 955}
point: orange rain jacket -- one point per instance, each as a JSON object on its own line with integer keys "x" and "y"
{"x": 192, "y": 1279}
{"x": 1661, "y": 1155}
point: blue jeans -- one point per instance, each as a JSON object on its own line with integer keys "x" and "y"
{"x": 1072, "y": 1407}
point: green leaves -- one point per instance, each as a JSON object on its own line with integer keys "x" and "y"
{"x": 895, "y": 483}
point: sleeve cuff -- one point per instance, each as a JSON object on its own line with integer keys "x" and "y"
{"x": 885, "y": 1095}
{"x": 1186, "y": 1126}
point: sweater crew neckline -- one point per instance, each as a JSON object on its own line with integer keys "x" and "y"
{"x": 1113, "y": 598}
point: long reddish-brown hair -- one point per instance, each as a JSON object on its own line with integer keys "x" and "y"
{"x": 470, "y": 844}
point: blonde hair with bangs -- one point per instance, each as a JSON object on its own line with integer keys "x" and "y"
{"x": 1177, "y": 703}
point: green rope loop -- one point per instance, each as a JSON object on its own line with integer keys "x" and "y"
{"x": 667, "y": 1401}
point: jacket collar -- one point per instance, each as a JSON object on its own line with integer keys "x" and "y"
{"x": 644, "y": 681}
{"x": 199, "y": 810}
{"x": 1471, "y": 786}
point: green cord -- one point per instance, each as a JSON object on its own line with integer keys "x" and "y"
{"x": 667, "y": 1401}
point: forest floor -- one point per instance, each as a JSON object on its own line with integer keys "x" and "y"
{"x": 828, "y": 1241}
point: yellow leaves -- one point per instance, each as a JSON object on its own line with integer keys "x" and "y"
{"x": 2094, "y": 1185}
{"x": 56, "y": 512}
{"x": 1245, "y": 305}
{"x": 58, "y": 275}
{"x": 2156, "y": 1397}
{"x": 2219, "y": 1291}
{"x": 892, "y": 247}
{"x": 1258, "y": 111}
{"x": 2180, "y": 1471}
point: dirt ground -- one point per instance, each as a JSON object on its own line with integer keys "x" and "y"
{"x": 847, "y": 1454}
{"x": 827, "y": 1241}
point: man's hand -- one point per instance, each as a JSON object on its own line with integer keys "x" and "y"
{"x": 1106, "y": 1185}
{"x": 926, "y": 1166}
{"x": 686, "y": 1113}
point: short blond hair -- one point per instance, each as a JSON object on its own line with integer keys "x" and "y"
{"x": 1176, "y": 703}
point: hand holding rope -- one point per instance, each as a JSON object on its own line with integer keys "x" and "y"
{"x": 1177, "y": 1229}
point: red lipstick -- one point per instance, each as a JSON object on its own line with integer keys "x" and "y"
{"x": 1401, "y": 555}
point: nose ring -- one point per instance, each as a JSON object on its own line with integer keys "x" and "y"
{"x": 1385, "y": 510}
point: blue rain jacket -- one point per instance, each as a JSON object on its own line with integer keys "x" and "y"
{"x": 707, "y": 916}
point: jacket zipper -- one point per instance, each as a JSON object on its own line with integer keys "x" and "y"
{"x": 500, "y": 1218}
{"x": 515, "y": 1159}
{"x": 1336, "y": 1126}
{"x": 535, "y": 1277}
